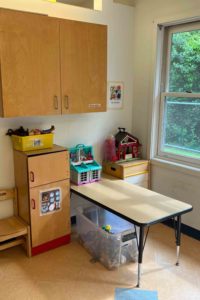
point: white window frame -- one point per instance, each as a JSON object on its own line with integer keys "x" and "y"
{"x": 164, "y": 32}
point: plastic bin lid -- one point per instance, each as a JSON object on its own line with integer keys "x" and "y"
{"x": 102, "y": 217}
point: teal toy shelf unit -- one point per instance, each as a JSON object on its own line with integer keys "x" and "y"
{"x": 83, "y": 168}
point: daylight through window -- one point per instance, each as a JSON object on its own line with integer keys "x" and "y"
{"x": 179, "y": 124}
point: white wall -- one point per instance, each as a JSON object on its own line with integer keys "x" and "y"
{"x": 169, "y": 181}
{"x": 90, "y": 129}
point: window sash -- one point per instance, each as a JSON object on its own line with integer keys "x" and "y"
{"x": 164, "y": 90}
{"x": 169, "y": 32}
{"x": 160, "y": 152}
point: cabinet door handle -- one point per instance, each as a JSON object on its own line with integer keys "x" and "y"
{"x": 66, "y": 102}
{"x": 2, "y": 194}
{"x": 113, "y": 169}
{"x": 55, "y": 102}
{"x": 32, "y": 176}
{"x": 33, "y": 203}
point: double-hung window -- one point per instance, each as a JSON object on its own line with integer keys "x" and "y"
{"x": 179, "y": 121}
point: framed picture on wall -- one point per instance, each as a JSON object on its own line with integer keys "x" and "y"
{"x": 115, "y": 94}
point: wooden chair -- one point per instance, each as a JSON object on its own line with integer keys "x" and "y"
{"x": 13, "y": 230}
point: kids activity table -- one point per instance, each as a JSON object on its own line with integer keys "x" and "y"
{"x": 137, "y": 205}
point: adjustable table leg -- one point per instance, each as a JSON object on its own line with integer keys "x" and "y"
{"x": 140, "y": 254}
{"x": 178, "y": 239}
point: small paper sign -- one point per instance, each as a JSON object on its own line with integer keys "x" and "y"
{"x": 50, "y": 201}
{"x": 115, "y": 94}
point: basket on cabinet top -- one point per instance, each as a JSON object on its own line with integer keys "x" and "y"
{"x": 32, "y": 142}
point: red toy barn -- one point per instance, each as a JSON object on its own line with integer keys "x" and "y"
{"x": 127, "y": 146}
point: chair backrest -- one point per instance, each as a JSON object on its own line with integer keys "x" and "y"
{"x": 10, "y": 194}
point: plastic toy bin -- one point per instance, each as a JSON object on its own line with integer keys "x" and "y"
{"x": 32, "y": 142}
{"x": 112, "y": 248}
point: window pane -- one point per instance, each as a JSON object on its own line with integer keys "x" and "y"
{"x": 181, "y": 126}
{"x": 184, "y": 66}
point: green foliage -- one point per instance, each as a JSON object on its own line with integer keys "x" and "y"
{"x": 184, "y": 72}
{"x": 182, "y": 115}
{"x": 182, "y": 123}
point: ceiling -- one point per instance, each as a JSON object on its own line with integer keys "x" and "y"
{"x": 126, "y": 2}
{"x": 82, "y": 3}
{"x": 91, "y": 3}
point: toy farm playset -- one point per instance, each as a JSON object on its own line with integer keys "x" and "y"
{"x": 83, "y": 168}
{"x": 121, "y": 147}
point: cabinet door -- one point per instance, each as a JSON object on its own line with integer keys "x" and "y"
{"x": 50, "y": 212}
{"x": 30, "y": 64}
{"x": 83, "y": 66}
{"x": 47, "y": 168}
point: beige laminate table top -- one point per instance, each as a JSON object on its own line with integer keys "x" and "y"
{"x": 137, "y": 204}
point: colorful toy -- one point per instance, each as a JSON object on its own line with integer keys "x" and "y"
{"x": 83, "y": 167}
{"x": 121, "y": 147}
{"x": 109, "y": 149}
{"x": 127, "y": 146}
{"x": 22, "y": 132}
{"x": 106, "y": 228}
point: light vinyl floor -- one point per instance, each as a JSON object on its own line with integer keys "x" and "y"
{"x": 68, "y": 273}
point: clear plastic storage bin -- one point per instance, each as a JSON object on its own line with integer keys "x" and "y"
{"x": 111, "y": 248}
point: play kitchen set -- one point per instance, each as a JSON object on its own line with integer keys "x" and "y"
{"x": 42, "y": 179}
{"x": 122, "y": 159}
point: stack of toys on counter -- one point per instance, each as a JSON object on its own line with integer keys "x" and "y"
{"x": 122, "y": 159}
{"x": 83, "y": 168}
{"x": 22, "y": 132}
{"x": 34, "y": 139}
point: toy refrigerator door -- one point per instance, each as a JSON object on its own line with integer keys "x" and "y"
{"x": 50, "y": 212}
{"x": 47, "y": 168}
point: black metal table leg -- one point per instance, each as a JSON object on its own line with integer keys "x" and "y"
{"x": 178, "y": 239}
{"x": 140, "y": 254}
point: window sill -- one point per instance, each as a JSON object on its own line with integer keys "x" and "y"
{"x": 178, "y": 167}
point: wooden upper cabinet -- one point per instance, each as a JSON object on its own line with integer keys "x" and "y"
{"x": 51, "y": 66}
{"x": 83, "y": 50}
{"x": 30, "y": 64}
